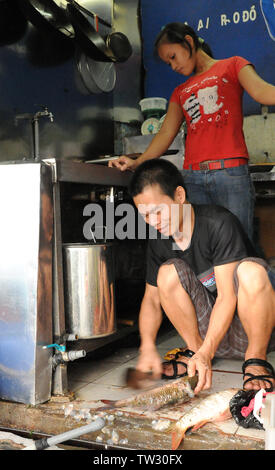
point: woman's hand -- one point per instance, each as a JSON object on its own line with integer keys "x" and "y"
{"x": 123, "y": 163}
{"x": 200, "y": 362}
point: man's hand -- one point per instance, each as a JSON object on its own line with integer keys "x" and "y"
{"x": 123, "y": 163}
{"x": 200, "y": 362}
{"x": 150, "y": 361}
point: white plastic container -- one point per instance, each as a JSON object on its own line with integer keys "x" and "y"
{"x": 153, "y": 103}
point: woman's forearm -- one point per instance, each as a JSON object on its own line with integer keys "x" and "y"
{"x": 167, "y": 133}
{"x": 159, "y": 145}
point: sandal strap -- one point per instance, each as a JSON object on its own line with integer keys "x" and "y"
{"x": 258, "y": 362}
{"x": 175, "y": 368}
{"x": 185, "y": 353}
{"x": 260, "y": 377}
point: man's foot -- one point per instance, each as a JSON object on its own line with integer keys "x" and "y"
{"x": 258, "y": 374}
{"x": 174, "y": 368}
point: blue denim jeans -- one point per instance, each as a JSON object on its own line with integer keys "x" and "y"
{"x": 231, "y": 188}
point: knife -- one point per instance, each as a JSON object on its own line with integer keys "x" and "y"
{"x": 143, "y": 380}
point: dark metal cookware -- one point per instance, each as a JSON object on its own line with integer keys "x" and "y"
{"x": 115, "y": 48}
{"x": 49, "y": 15}
{"x": 120, "y": 46}
{"x": 87, "y": 37}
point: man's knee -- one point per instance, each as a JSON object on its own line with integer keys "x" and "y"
{"x": 167, "y": 277}
{"x": 252, "y": 277}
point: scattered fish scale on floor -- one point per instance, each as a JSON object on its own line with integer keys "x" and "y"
{"x": 213, "y": 408}
{"x": 178, "y": 391}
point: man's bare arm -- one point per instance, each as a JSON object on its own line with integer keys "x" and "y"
{"x": 150, "y": 319}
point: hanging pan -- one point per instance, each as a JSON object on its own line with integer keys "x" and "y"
{"x": 97, "y": 76}
{"x": 115, "y": 48}
{"x": 86, "y": 35}
{"x": 119, "y": 45}
{"x": 48, "y": 15}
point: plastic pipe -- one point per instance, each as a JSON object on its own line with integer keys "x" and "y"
{"x": 42, "y": 444}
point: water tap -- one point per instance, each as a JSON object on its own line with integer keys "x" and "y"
{"x": 45, "y": 112}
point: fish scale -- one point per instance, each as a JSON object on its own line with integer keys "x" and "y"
{"x": 178, "y": 391}
{"x": 213, "y": 408}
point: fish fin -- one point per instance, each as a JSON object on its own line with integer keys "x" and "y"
{"x": 177, "y": 437}
{"x": 226, "y": 414}
{"x": 199, "y": 425}
{"x": 109, "y": 402}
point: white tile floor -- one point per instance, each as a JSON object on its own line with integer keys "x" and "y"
{"x": 96, "y": 379}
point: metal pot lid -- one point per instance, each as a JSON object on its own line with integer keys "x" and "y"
{"x": 97, "y": 76}
{"x": 50, "y": 13}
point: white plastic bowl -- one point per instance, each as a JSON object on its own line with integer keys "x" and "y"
{"x": 153, "y": 103}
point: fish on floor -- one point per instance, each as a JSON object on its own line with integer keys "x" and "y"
{"x": 178, "y": 391}
{"x": 215, "y": 407}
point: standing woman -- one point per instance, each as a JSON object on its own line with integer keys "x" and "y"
{"x": 210, "y": 101}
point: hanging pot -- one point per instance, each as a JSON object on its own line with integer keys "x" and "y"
{"x": 114, "y": 48}
{"x": 48, "y": 15}
{"x": 119, "y": 45}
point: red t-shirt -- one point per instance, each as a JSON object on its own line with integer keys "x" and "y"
{"x": 212, "y": 106}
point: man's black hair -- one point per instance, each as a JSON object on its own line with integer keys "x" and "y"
{"x": 156, "y": 171}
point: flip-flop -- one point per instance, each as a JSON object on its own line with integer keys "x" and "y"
{"x": 174, "y": 363}
{"x": 265, "y": 377}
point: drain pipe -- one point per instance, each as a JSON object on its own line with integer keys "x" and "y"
{"x": 42, "y": 444}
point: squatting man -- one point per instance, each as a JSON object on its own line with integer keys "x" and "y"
{"x": 204, "y": 273}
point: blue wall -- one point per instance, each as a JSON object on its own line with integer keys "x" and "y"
{"x": 230, "y": 27}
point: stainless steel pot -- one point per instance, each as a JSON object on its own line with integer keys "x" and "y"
{"x": 89, "y": 290}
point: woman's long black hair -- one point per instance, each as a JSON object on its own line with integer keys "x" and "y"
{"x": 174, "y": 33}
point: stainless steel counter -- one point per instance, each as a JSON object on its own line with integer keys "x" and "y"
{"x": 263, "y": 176}
{"x": 87, "y": 173}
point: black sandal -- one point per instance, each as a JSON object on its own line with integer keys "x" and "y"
{"x": 174, "y": 362}
{"x": 258, "y": 362}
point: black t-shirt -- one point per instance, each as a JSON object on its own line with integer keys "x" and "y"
{"x": 218, "y": 238}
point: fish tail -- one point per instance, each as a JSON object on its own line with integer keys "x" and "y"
{"x": 177, "y": 437}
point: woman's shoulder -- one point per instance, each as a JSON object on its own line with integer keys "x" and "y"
{"x": 234, "y": 60}
{"x": 234, "y": 64}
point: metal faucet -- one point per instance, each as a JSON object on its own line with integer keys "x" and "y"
{"x": 45, "y": 112}
{"x": 34, "y": 118}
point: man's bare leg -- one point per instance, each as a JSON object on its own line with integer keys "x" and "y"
{"x": 179, "y": 309}
{"x": 256, "y": 309}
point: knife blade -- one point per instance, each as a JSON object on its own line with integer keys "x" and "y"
{"x": 139, "y": 380}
